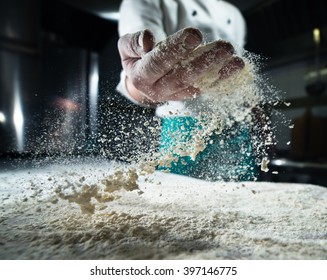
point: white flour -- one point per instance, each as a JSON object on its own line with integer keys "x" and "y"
{"x": 181, "y": 218}
{"x": 115, "y": 211}
{"x": 222, "y": 105}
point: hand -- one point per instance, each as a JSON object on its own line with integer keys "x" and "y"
{"x": 167, "y": 71}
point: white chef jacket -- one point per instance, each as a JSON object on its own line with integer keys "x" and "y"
{"x": 215, "y": 18}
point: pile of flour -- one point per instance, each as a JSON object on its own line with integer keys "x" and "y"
{"x": 165, "y": 217}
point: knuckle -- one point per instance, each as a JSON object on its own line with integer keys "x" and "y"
{"x": 155, "y": 66}
{"x": 238, "y": 62}
{"x": 180, "y": 83}
{"x": 137, "y": 81}
{"x": 226, "y": 46}
{"x": 129, "y": 46}
{"x": 120, "y": 45}
{"x": 133, "y": 47}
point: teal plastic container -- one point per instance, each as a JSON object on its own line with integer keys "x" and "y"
{"x": 227, "y": 157}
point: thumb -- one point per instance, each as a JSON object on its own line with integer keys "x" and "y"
{"x": 135, "y": 45}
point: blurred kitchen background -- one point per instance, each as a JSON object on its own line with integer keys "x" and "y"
{"x": 60, "y": 65}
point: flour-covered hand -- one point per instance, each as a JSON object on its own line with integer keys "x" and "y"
{"x": 167, "y": 71}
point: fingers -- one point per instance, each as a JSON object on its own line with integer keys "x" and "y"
{"x": 134, "y": 46}
{"x": 234, "y": 65}
{"x": 205, "y": 58}
{"x": 230, "y": 68}
{"x": 184, "y": 94}
{"x": 166, "y": 54}
{"x": 180, "y": 88}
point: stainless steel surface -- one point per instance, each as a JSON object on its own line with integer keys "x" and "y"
{"x": 48, "y": 88}
{"x": 19, "y": 29}
{"x": 283, "y": 162}
{"x": 18, "y": 86}
{"x": 93, "y": 92}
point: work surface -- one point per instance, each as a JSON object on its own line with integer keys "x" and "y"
{"x": 170, "y": 217}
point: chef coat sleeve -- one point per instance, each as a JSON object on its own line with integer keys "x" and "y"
{"x": 141, "y": 14}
